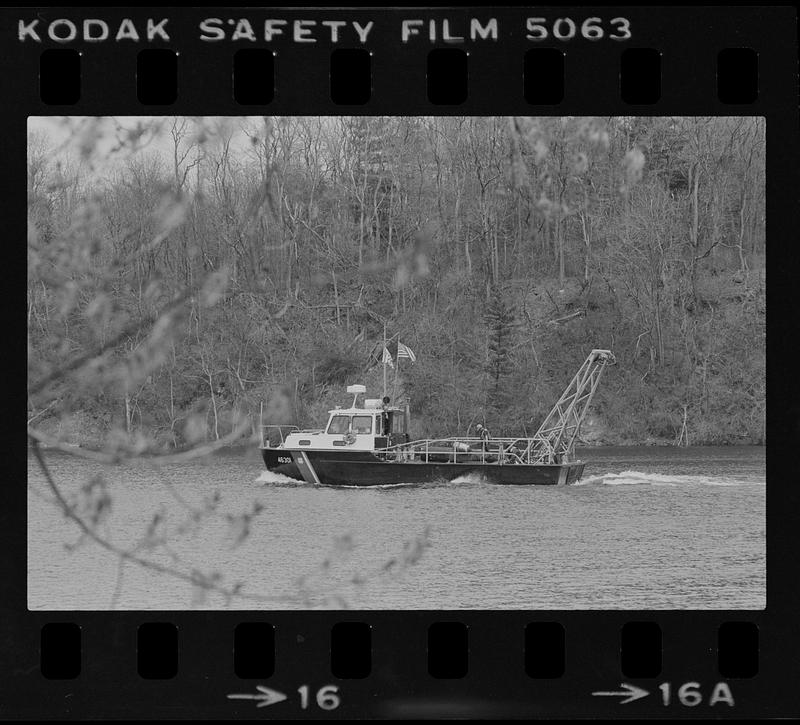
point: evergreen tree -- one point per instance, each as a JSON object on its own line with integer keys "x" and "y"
{"x": 502, "y": 325}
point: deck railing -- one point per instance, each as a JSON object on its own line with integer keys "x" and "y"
{"x": 279, "y": 429}
{"x": 500, "y": 451}
{"x": 283, "y": 431}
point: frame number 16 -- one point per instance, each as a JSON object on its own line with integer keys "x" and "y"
{"x": 327, "y": 697}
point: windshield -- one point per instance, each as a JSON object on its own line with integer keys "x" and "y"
{"x": 339, "y": 424}
{"x": 362, "y": 424}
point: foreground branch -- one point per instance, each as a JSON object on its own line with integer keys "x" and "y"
{"x": 128, "y": 556}
{"x": 158, "y": 458}
{"x": 126, "y": 332}
{"x": 410, "y": 555}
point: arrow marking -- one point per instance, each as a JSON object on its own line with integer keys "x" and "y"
{"x": 629, "y": 693}
{"x": 267, "y": 696}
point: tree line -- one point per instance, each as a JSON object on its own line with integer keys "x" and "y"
{"x": 183, "y": 272}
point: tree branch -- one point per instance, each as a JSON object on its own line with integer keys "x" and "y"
{"x": 80, "y": 360}
{"x": 158, "y": 458}
{"x": 127, "y": 556}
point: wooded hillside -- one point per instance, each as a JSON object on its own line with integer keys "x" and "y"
{"x": 182, "y": 271}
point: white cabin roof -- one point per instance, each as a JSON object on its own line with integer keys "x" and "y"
{"x": 362, "y": 411}
{"x": 369, "y": 407}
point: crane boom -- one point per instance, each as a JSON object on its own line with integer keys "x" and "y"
{"x": 555, "y": 440}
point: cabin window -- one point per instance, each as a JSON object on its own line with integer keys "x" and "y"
{"x": 339, "y": 425}
{"x": 362, "y": 424}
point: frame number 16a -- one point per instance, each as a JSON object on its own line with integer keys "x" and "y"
{"x": 690, "y": 695}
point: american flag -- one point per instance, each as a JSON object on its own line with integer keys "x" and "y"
{"x": 387, "y": 358}
{"x": 403, "y": 351}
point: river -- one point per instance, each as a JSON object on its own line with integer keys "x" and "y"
{"x": 647, "y": 528}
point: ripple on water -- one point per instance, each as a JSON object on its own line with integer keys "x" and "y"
{"x": 645, "y": 529}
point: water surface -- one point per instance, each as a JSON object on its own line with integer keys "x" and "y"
{"x": 647, "y": 528}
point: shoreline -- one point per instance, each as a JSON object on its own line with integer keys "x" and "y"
{"x": 93, "y": 434}
{"x": 649, "y": 443}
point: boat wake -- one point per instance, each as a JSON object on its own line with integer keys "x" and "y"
{"x": 638, "y": 478}
{"x": 278, "y": 479}
{"x": 469, "y": 478}
{"x": 624, "y": 478}
{"x": 271, "y": 478}
{"x": 379, "y": 486}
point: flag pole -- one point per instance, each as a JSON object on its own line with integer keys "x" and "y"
{"x": 396, "y": 369}
{"x": 383, "y": 358}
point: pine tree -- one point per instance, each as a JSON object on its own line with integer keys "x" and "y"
{"x": 501, "y": 321}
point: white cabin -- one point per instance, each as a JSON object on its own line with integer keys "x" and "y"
{"x": 364, "y": 427}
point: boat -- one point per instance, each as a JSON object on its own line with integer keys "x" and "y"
{"x": 368, "y": 443}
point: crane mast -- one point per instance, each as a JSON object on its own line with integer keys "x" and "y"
{"x": 554, "y": 442}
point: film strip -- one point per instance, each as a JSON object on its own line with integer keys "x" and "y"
{"x": 705, "y": 627}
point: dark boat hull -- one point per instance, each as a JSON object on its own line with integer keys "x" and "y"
{"x": 364, "y": 469}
